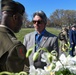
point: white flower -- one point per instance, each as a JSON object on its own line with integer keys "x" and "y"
{"x": 44, "y": 58}
{"x": 50, "y": 67}
{"x": 63, "y": 59}
{"x": 58, "y": 66}
{"x": 63, "y": 63}
{"x": 42, "y": 72}
{"x": 72, "y": 69}
{"x": 32, "y": 70}
{"x": 38, "y": 71}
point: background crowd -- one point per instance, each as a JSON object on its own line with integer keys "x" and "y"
{"x": 68, "y": 34}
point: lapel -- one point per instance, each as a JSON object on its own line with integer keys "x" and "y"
{"x": 33, "y": 38}
{"x": 33, "y": 41}
{"x": 44, "y": 39}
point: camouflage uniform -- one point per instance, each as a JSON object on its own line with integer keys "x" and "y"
{"x": 63, "y": 39}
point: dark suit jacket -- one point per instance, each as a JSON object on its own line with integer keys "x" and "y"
{"x": 72, "y": 37}
{"x": 49, "y": 41}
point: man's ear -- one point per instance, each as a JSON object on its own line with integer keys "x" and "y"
{"x": 15, "y": 17}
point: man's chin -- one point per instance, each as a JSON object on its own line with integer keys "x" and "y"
{"x": 16, "y": 31}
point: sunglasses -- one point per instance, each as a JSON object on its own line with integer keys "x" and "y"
{"x": 38, "y": 22}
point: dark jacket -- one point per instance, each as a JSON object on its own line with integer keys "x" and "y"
{"x": 72, "y": 37}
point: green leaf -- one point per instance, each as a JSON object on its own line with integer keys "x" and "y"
{"x": 29, "y": 52}
{"x": 49, "y": 57}
{"x": 6, "y": 73}
{"x": 22, "y": 73}
{"x": 35, "y": 56}
{"x": 54, "y": 53}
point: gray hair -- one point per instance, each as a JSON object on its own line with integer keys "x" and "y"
{"x": 42, "y": 15}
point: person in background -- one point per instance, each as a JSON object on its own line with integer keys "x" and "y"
{"x": 41, "y": 37}
{"x": 63, "y": 38}
{"x": 68, "y": 29}
{"x": 72, "y": 39}
{"x": 12, "y": 51}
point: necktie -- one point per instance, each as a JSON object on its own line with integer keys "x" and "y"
{"x": 37, "y": 42}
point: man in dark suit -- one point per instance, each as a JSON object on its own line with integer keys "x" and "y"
{"x": 12, "y": 51}
{"x": 72, "y": 38}
{"x": 41, "y": 37}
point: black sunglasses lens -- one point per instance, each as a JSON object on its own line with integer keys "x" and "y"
{"x": 34, "y": 22}
{"x": 39, "y": 21}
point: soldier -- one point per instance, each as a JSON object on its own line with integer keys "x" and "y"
{"x": 12, "y": 51}
{"x": 63, "y": 38}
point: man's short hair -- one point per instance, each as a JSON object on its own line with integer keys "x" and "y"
{"x": 14, "y": 7}
{"x": 42, "y": 15}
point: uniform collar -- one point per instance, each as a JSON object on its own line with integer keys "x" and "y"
{"x": 6, "y": 27}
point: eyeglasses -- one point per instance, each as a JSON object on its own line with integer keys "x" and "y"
{"x": 38, "y": 22}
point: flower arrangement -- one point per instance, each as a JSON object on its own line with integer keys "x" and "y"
{"x": 65, "y": 65}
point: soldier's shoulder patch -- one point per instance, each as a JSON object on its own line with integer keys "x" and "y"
{"x": 21, "y": 51}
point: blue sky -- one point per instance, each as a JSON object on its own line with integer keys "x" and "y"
{"x": 48, "y": 6}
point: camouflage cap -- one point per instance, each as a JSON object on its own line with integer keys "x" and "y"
{"x": 13, "y": 6}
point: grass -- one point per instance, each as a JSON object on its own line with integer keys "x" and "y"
{"x": 25, "y": 31}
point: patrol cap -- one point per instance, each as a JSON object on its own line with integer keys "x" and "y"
{"x": 14, "y": 7}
